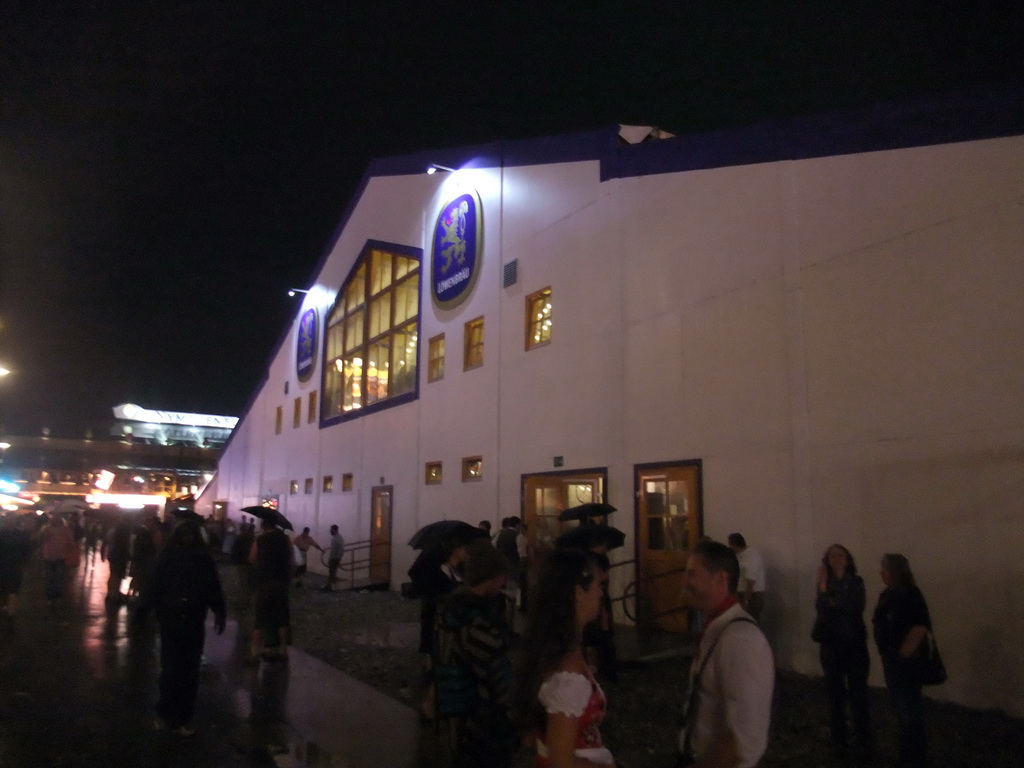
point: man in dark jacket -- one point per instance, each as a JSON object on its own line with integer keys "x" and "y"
{"x": 184, "y": 585}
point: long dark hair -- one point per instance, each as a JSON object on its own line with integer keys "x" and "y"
{"x": 851, "y": 566}
{"x": 899, "y": 571}
{"x": 551, "y": 632}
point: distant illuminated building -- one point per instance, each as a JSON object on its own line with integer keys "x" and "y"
{"x": 157, "y": 455}
{"x": 171, "y": 427}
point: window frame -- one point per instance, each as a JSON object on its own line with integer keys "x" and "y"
{"x": 435, "y": 362}
{"x": 533, "y": 321}
{"x": 279, "y": 420}
{"x": 312, "y": 410}
{"x": 346, "y": 482}
{"x": 469, "y": 346}
{"x": 429, "y": 479}
{"x": 348, "y": 332}
{"x": 328, "y": 484}
{"x": 297, "y": 413}
{"x": 467, "y": 475}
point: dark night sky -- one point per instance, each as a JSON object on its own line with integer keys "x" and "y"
{"x": 168, "y": 170}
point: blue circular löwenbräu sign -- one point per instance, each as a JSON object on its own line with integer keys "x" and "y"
{"x": 305, "y": 345}
{"x": 458, "y": 250}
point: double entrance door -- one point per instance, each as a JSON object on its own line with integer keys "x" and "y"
{"x": 668, "y": 521}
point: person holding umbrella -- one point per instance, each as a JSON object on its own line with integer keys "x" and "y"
{"x": 436, "y": 572}
{"x": 273, "y": 564}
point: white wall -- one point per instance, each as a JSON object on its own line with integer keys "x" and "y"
{"x": 840, "y": 341}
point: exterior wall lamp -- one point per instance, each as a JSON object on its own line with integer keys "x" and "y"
{"x": 434, "y": 168}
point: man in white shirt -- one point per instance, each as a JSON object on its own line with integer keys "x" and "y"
{"x": 752, "y": 581}
{"x": 733, "y": 672}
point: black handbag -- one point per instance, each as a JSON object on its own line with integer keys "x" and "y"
{"x": 928, "y": 668}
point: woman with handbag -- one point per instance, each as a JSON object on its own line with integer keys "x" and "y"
{"x": 901, "y": 624}
{"x": 839, "y": 629}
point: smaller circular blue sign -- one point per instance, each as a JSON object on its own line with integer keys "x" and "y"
{"x": 305, "y": 345}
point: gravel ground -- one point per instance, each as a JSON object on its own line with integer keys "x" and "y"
{"x": 373, "y": 637}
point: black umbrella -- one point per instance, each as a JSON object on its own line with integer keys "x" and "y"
{"x": 271, "y": 514}
{"x": 434, "y": 534}
{"x": 588, "y": 536}
{"x": 587, "y": 511}
{"x": 184, "y": 513}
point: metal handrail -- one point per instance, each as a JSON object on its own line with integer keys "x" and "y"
{"x": 349, "y": 554}
{"x": 632, "y": 589}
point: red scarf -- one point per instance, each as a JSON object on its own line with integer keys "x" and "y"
{"x": 726, "y": 604}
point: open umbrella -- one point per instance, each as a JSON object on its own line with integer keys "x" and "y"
{"x": 184, "y": 513}
{"x": 434, "y": 534}
{"x": 269, "y": 513}
{"x": 588, "y": 536}
{"x": 587, "y": 511}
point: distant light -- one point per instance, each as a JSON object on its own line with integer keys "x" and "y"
{"x": 103, "y": 480}
{"x": 4, "y": 371}
{"x": 126, "y": 500}
{"x": 434, "y": 168}
{"x": 6, "y": 486}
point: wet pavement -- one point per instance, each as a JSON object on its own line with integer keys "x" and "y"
{"x": 78, "y": 689}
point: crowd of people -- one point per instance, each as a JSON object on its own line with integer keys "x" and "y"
{"x": 490, "y": 690}
{"x": 482, "y": 707}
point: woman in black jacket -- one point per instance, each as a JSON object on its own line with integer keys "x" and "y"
{"x": 901, "y": 624}
{"x": 840, "y": 630}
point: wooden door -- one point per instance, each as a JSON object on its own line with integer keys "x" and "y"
{"x": 547, "y": 495}
{"x": 380, "y": 535}
{"x": 669, "y": 522}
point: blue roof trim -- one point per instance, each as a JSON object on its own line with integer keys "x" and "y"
{"x": 881, "y": 127}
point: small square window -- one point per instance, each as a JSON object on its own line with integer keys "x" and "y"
{"x": 328, "y": 483}
{"x": 433, "y": 473}
{"x": 311, "y": 410}
{"x": 472, "y": 468}
{"x": 308, "y": 485}
{"x": 293, "y": 487}
{"x": 538, "y": 318}
{"x": 346, "y": 481}
{"x": 435, "y": 358}
{"x": 474, "y": 349}
{"x": 297, "y": 413}
{"x": 278, "y": 420}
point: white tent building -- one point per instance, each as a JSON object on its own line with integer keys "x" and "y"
{"x": 807, "y": 332}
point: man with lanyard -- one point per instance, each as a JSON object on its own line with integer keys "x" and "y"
{"x": 303, "y": 543}
{"x": 733, "y": 672}
{"x": 334, "y": 558}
